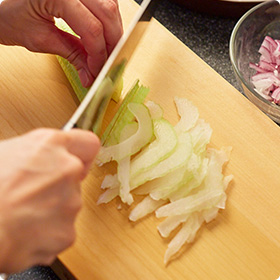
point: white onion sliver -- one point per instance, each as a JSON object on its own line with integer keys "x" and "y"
{"x": 123, "y": 177}
{"x": 186, "y": 234}
{"x": 108, "y": 195}
{"x": 170, "y": 223}
{"x": 110, "y": 182}
{"x": 197, "y": 202}
{"x": 145, "y": 207}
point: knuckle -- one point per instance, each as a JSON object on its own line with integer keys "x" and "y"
{"x": 96, "y": 28}
{"x": 51, "y": 6}
{"x": 73, "y": 167}
{"x": 110, "y": 8}
{"x": 77, "y": 58}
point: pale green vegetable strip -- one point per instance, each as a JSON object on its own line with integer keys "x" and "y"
{"x": 170, "y": 180}
{"x": 128, "y": 130}
{"x": 171, "y": 223}
{"x": 126, "y": 116}
{"x": 166, "y": 190}
{"x": 210, "y": 193}
{"x": 188, "y": 114}
{"x": 124, "y": 165}
{"x": 178, "y": 158}
{"x": 109, "y": 136}
{"x": 145, "y": 207}
{"x": 214, "y": 176}
{"x": 186, "y": 234}
{"x": 201, "y": 135}
{"x": 61, "y": 24}
{"x": 73, "y": 77}
{"x": 108, "y": 195}
{"x": 210, "y": 214}
{"x": 198, "y": 220}
{"x": 123, "y": 177}
{"x": 134, "y": 143}
{"x": 110, "y": 182}
{"x": 194, "y": 182}
{"x": 156, "y": 110}
{"x": 204, "y": 199}
{"x": 222, "y": 203}
{"x": 162, "y": 187}
{"x": 69, "y": 70}
{"x": 227, "y": 180}
{"x": 161, "y": 148}
{"x": 178, "y": 241}
{"x": 136, "y": 94}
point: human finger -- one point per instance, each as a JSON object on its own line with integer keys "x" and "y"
{"x": 89, "y": 28}
{"x": 99, "y": 31}
{"x": 83, "y": 144}
{"x": 109, "y": 15}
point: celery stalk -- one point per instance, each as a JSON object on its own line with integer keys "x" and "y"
{"x": 69, "y": 70}
{"x": 72, "y": 74}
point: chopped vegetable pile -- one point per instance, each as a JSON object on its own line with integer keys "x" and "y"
{"x": 266, "y": 80}
{"x": 180, "y": 177}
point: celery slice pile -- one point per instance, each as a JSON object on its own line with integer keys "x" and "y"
{"x": 182, "y": 179}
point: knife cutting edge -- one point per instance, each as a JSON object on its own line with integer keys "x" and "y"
{"x": 89, "y": 115}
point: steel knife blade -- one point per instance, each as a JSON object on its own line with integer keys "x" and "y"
{"x": 90, "y": 113}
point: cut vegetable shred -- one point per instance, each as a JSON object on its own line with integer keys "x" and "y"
{"x": 181, "y": 178}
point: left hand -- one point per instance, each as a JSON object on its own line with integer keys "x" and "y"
{"x": 30, "y": 23}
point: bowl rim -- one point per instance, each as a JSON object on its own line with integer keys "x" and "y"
{"x": 231, "y": 44}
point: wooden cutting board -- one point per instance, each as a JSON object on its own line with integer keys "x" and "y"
{"x": 243, "y": 242}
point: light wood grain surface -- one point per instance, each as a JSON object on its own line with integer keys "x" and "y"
{"x": 242, "y": 243}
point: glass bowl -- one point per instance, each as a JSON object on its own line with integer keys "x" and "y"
{"x": 246, "y": 39}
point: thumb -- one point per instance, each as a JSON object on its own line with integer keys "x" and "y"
{"x": 83, "y": 144}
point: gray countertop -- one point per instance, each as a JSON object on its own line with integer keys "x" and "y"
{"x": 208, "y": 36}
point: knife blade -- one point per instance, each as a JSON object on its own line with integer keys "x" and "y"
{"x": 89, "y": 115}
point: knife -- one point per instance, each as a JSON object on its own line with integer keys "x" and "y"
{"x": 89, "y": 115}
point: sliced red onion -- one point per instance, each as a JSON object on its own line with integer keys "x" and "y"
{"x": 277, "y": 49}
{"x": 276, "y": 95}
{"x": 266, "y": 80}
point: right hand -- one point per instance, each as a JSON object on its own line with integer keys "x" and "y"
{"x": 40, "y": 194}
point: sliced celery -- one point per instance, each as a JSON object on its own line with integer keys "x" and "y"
{"x": 72, "y": 74}
{"x": 136, "y": 94}
{"x": 134, "y": 143}
{"x": 69, "y": 70}
{"x": 158, "y": 150}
